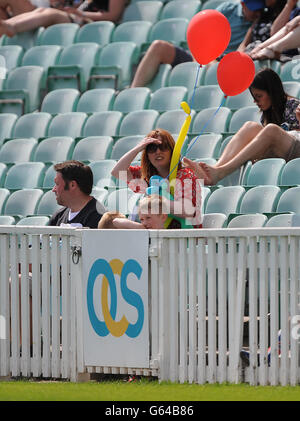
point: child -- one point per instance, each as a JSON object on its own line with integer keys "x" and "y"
{"x": 152, "y": 212}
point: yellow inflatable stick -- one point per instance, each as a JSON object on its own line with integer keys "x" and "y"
{"x": 178, "y": 146}
{"x": 176, "y": 157}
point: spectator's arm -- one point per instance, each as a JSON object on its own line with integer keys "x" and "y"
{"x": 124, "y": 223}
{"x": 247, "y": 39}
{"x": 283, "y": 17}
{"x": 113, "y": 14}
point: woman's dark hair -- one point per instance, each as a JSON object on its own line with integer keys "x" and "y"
{"x": 269, "y": 81}
{"x": 76, "y": 171}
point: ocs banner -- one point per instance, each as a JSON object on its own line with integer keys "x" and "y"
{"x": 115, "y": 298}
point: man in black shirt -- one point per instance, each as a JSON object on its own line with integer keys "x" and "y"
{"x": 73, "y": 186}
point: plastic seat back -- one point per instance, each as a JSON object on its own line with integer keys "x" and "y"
{"x": 99, "y": 32}
{"x": 37, "y": 221}
{"x": 68, "y": 124}
{"x": 18, "y": 150}
{"x": 54, "y": 149}
{"x": 7, "y": 123}
{"x": 206, "y": 146}
{"x": 292, "y": 88}
{"x": 172, "y": 30}
{"x": 291, "y": 173}
{"x": 225, "y": 200}
{"x": 93, "y": 148}
{"x": 245, "y": 99}
{"x": 185, "y": 74}
{"x": 172, "y": 120}
{"x": 168, "y": 98}
{"x": 260, "y": 199}
{"x": 138, "y": 122}
{"x": 214, "y": 220}
{"x": 254, "y": 220}
{"x": 96, "y": 100}
{"x": 102, "y": 172}
{"x": 60, "y": 101}
{"x": 289, "y": 201}
{"x": 48, "y": 204}
{"x": 32, "y": 125}
{"x": 132, "y": 99}
{"x": 4, "y": 194}
{"x": 281, "y": 220}
{"x": 180, "y": 9}
{"x": 59, "y": 34}
{"x": 134, "y": 31}
{"x": 241, "y": 116}
{"x": 290, "y": 70}
{"x": 26, "y": 40}
{"x": 206, "y": 97}
{"x": 12, "y": 54}
{"x": 143, "y": 10}
{"x": 23, "y": 202}
{"x": 7, "y": 220}
{"x": 104, "y": 123}
{"x": 266, "y": 172}
{"x": 211, "y": 120}
{"x": 124, "y": 145}
{"x": 25, "y": 175}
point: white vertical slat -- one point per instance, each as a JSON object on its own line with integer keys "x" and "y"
{"x": 65, "y": 293}
{"x": 232, "y": 277}
{"x": 192, "y": 367}
{"x": 73, "y": 326}
{"x": 222, "y": 312}
{"x": 55, "y": 308}
{"x": 240, "y": 306}
{"x": 284, "y": 311}
{"x": 212, "y": 332}
{"x": 294, "y": 274}
{"x": 274, "y": 371}
{"x": 263, "y": 311}
{"x": 46, "y": 359}
{"x": 155, "y": 246}
{"x": 183, "y": 335}
{"x": 76, "y": 264}
{"x": 201, "y": 275}
{"x": 36, "y": 307}
{"x": 25, "y": 322}
{"x": 174, "y": 360}
{"x": 4, "y": 308}
{"x": 15, "y": 306}
{"x": 253, "y": 310}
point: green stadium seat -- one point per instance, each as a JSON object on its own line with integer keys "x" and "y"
{"x": 4, "y": 194}
{"x": 236, "y": 102}
{"x": 102, "y": 172}
{"x": 99, "y": 32}
{"x": 292, "y": 88}
{"x": 289, "y": 201}
{"x": 206, "y": 97}
{"x": 48, "y": 182}
{"x": 290, "y": 71}
{"x": 210, "y": 76}
{"x": 93, "y": 148}
{"x": 214, "y": 220}
{"x": 172, "y": 120}
{"x": 13, "y": 56}
{"x": 37, "y": 221}
{"x": 54, "y": 149}
{"x": 281, "y": 220}
{"x": 18, "y": 150}
{"x": 205, "y": 193}
{"x": 25, "y": 175}
{"x": 180, "y": 9}
{"x": 290, "y": 175}
{"x": 68, "y": 124}
{"x": 7, "y": 220}
{"x": 206, "y": 146}
{"x": 32, "y": 125}
{"x": 113, "y": 66}
{"x": 211, "y": 120}
{"x": 100, "y": 194}
{"x": 3, "y": 171}
{"x": 172, "y": 30}
{"x": 161, "y": 78}
{"x": 224, "y": 144}
{"x": 138, "y": 122}
{"x": 21, "y": 93}
{"x": 105, "y": 123}
{"x": 47, "y": 204}
{"x": 73, "y": 68}
{"x": 266, "y": 172}
{"x": 60, "y": 101}
{"x": 7, "y": 122}
{"x": 63, "y": 34}
{"x": 44, "y": 56}
{"x": 96, "y": 100}
{"x": 143, "y": 10}
{"x": 168, "y": 98}
{"x": 185, "y": 74}
{"x": 25, "y": 40}
{"x": 211, "y": 4}
{"x": 132, "y": 99}
{"x": 260, "y": 199}
{"x": 123, "y": 145}
{"x": 22, "y": 203}
{"x": 134, "y": 31}
{"x": 225, "y": 200}
{"x": 241, "y": 116}
{"x": 123, "y": 201}
{"x": 254, "y": 220}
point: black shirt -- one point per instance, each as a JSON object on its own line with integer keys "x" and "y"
{"x": 94, "y": 6}
{"x": 87, "y": 217}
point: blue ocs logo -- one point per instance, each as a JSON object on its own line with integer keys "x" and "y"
{"x": 109, "y": 324}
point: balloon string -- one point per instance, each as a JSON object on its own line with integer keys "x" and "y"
{"x": 191, "y": 107}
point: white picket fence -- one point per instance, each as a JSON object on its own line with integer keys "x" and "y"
{"x": 207, "y": 289}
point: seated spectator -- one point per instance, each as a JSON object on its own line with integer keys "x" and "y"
{"x": 157, "y": 148}
{"x": 9, "y": 8}
{"x": 240, "y": 17}
{"x": 152, "y": 211}
{"x": 88, "y": 11}
{"x": 73, "y": 186}
{"x": 256, "y": 141}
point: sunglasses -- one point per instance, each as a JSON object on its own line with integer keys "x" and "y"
{"x": 154, "y": 146}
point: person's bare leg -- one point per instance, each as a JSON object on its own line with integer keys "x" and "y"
{"x": 32, "y": 20}
{"x": 289, "y": 41}
{"x": 243, "y": 136}
{"x": 271, "y": 139}
{"x": 277, "y": 36}
{"x": 159, "y": 52}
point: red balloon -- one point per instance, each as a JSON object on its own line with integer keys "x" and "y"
{"x": 208, "y": 35}
{"x": 235, "y": 73}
